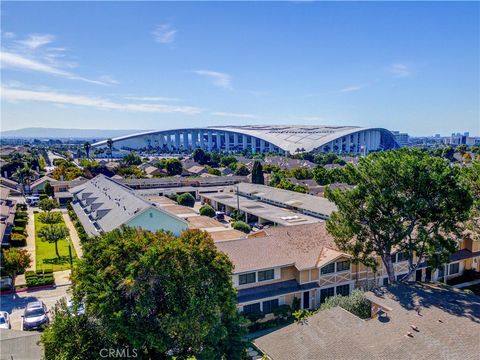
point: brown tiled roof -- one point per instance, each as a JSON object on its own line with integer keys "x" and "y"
{"x": 448, "y": 328}
{"x": 305, "y": 246}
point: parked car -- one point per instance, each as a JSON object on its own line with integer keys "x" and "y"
{"x": 4, "y": 320}
{"x": 32, "y": 200}
{"x": 35, "y": 316}
{"x": 6, "y": 283}
{"x": 220, "y": 215}
{"x": 79, "y": 310}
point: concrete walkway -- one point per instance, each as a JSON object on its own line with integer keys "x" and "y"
{"x": 73, "y": 234}
{"x": 466, "y": 284}
{"x": 31, "y": 238}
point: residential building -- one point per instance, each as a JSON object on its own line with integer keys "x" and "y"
{"x": 103, "y": 205}
{"x": 7, "y": 216}
{"x": 418, "y": 321}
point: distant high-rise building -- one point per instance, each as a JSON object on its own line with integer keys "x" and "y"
{"x": 401, "y": 138}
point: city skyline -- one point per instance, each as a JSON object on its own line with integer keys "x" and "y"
{"x": 410, "y": 67}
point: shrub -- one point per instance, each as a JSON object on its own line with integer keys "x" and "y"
{"x": 207, "y": 210}
{"x": 18, "y": 240}
{"x": 20, "y": 222}
{"x": 282, "y": 311}
{"x": 255, "y": 316}
{"x": 39, "y": 278}
{"x": 43, "y": 196}
{"x": 18, "y": 230}
{"x": 241, "y": 226}
{"x": 21, "y": 215}
{"x": 35, "y": 211}
{"x": 296, "y": 304}
{"x": 22, "y": 207}
{"x": 356, "y": 303}
{"x": 186, "y": 200}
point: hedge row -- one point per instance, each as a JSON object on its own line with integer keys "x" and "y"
{"x": 39, "y": 278}
{"x": 76, "y": 222}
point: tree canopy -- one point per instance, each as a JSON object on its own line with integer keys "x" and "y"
{"x": 47, "y": 204}
{"x": 154, "y": 293}
{"x": 186, "y": 199}
{"x": 257, "y": 173}
{"x": 207, "y": 210}
{"x": 404, "y": 201}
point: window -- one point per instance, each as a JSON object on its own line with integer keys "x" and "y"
{"x": 394, "y": 258}
{"x": 454, "y": 268}
{"x": 385, "y": 281}
{"x": 252, "y": 308}
{"x": 328, "y": 269}
{"x": 269, "y": 306}
{"x": 325, "y": 293}
{"x": 266, "y": 275}
{"x": 343, "y": 265}
{"x": 343, "y": 290}
{"x": 246, "y": 278}
{"x": 401, "y": 276}
{"x": 403, "y": 256}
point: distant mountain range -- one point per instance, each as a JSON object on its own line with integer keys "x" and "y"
{"x": 57, "y": 133}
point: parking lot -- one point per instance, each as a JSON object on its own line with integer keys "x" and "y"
{"x": 15, "y": 304}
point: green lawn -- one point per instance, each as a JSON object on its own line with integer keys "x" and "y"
{"x": 45, "y": 252}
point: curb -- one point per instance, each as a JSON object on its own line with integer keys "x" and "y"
{"x": 43, "y": 287}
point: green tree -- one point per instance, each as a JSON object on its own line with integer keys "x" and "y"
{"x": 213, "y": 171}
{"x": 174, "y": 167}
{"x": 242, "y": 170}
{"x": 166, "y": 295}
{"x": 257, "y": 173}
{"x": 110, "y": 147}
{"x": 24, "y": 176}
{"x": 186, "y": 199}
{"x": 462, "y": 149}
{"x": 448, "y": 152}
{"x": 405, "y": 201}
{"x": 87, "y": 146}
{"x": 228, "y": 160}
{"x": 48, "y": 189}
{"x": 302, "y": 173}
{"x": 132, "y": 158}
{"x": 53, "y": 233}
{"x": 241, "y": 226}
{"x": 47, "y": 204}
{"x": 207, "y": 210}
{"x": 321, "y": 175}
{"x": 199, "y": 156}
{"x": 73, "y": 337}
{"x": 15, "y": 261}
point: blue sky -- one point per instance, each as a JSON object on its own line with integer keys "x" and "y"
{"x": 408, "y": 66}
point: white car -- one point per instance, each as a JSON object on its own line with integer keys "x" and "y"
{"x": 4, "y": 320}
{"x": 80, "y": 310}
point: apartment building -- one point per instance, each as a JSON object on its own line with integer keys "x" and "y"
{"x": 275, "y": 266}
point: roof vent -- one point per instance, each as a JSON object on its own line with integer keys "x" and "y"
{"x": 409, "y": 334}
{"x": 414, "y": 327}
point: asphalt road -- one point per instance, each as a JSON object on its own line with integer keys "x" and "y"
{"x": 15, "y": 304}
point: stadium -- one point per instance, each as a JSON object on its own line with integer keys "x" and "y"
{"x": 281, "y": 139}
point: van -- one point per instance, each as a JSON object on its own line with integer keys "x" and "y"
{"x": 219, "y": 215}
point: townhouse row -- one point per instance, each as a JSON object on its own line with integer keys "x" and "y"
{"x": 277, "y": 265}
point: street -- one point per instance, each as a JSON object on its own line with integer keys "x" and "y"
{"x": 15, "y": 304}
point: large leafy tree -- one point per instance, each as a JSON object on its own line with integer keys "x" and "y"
{"x": 15, "y": 261}
{"x": 159, "y": 294}
{"x": 257, "y": 173}
{"x": 174, "y": 167}
{"x": 53, "y": 233}
{"x": 404, "y": 201}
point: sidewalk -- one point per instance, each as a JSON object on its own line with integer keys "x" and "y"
{"x": 466, "y": 284}
{"x": 73, "y": 234}
{"x": 31, "y": 238}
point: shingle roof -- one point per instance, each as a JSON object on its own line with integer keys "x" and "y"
{"x": 305, "y": 246}
{"x": 448, "y": 328}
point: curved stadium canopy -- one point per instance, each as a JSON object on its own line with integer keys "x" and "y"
{"x": 261, "y": 138}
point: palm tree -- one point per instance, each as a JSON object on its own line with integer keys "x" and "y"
{"x": 53, "y": 233}
{"x": 24, "y": 175}
{"x": 110, "y": 147}
{"x": 87, "y": 147}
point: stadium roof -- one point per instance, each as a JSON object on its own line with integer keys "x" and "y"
{"x": 287, "y": 137}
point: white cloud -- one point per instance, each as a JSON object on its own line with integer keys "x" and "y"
{"x": 34, "y": 41}
{"x": 219, "y": 79}
{"x": 351, "y": 88}
{"x": 17, "y": 95}
{"x": 108, "y": 79}
{"x": 8, "y": 35}
{"x": 151, "y": 98}
{"x": 164, "y": 33}
{"x": 237, "y": 115}
{"x": 400, "y": 70}
{"x": 17, "y": 61}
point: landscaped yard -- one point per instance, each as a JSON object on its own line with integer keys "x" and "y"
{"x": 45, "y": 251}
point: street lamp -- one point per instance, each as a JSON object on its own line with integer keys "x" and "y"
{"x": 69, "y": 251}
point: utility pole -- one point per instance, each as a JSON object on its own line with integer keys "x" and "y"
{"x": 238, "y": 204}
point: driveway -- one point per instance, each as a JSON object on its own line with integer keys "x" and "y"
{"x": 15, "y": 304}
